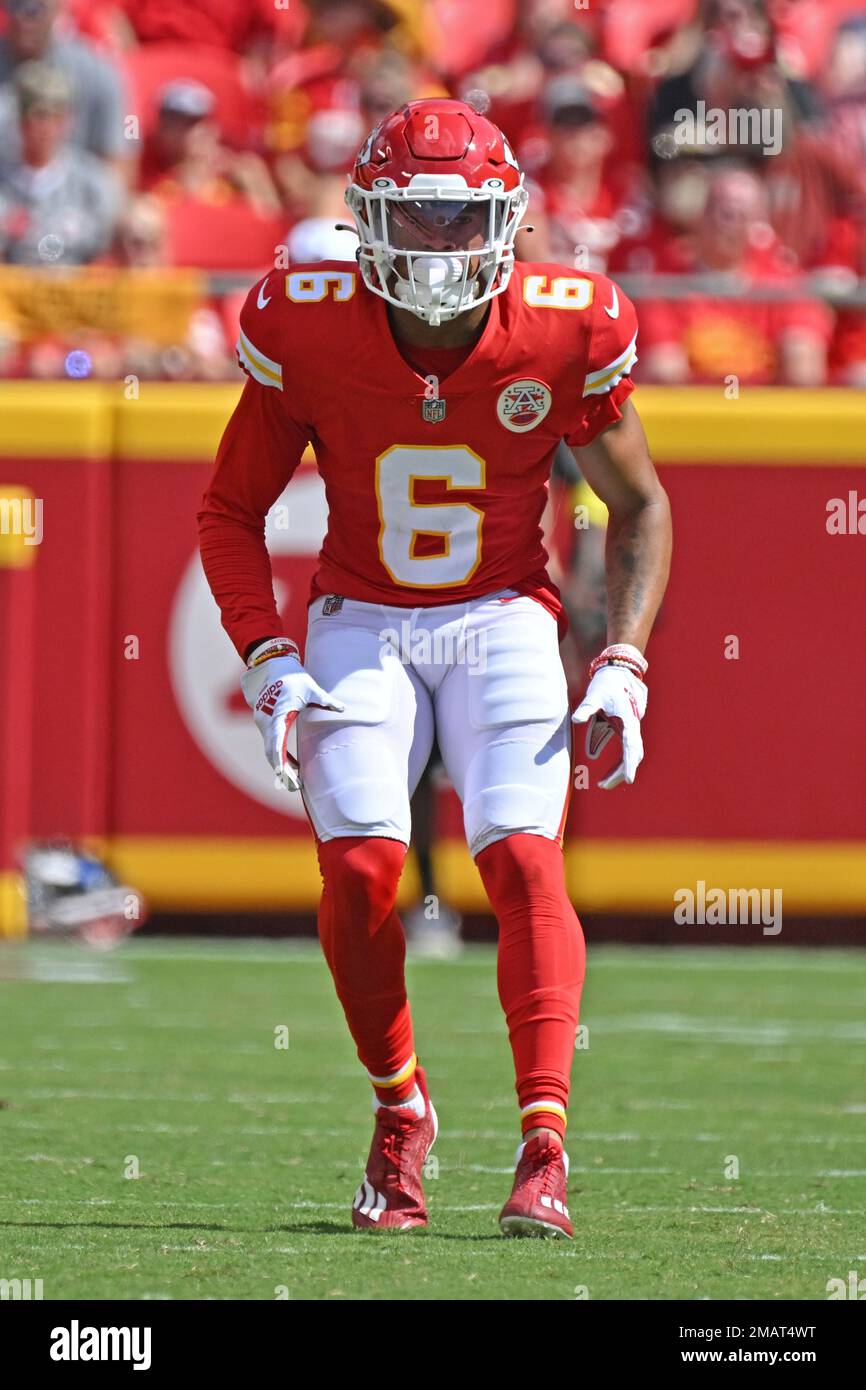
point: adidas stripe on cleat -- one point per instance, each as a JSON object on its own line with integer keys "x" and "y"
{"x": 391, "y": 1196}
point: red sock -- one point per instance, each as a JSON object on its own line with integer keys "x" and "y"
{"x": 542, "y": 961}
{"x": 365, "y": 948}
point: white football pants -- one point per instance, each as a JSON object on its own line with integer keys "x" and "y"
{"x": 485, "y": 674}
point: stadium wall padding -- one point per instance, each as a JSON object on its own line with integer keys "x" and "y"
{"x": 122, "y": 723}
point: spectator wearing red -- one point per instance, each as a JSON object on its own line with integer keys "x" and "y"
{"x": 848, "y": 349}
{"x": 337, "y": 33}
{"x": 335, "y": 114}
{"x": 845, "y": 131}
{"x": 845, "y": 90}
{"x": 236, "y": 25}
{"x": 632, "y": 33}
{"x": 99, "y": 22}
{"x": 805, "y": 30}
{"x": 185, "y": 158}
{"x": 700, "y": 339}
{"x": 587, "y": 195}
{"x": 545, "y": 41}
{"x": 735, "y": 65}
{"x": 812, "y": 187}
{"x": 549, "y": 40}
{"x": 816, "y": 191}
{"x": 663, "y": 240}
{"x": 312, "y": 176}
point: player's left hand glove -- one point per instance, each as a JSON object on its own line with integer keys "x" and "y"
{"x": 615, "y": 702}
{"x": 276, "y": 687}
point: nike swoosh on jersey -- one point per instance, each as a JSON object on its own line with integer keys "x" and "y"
{"x": 613, "y": 311}
{"x": 261, "y": 301}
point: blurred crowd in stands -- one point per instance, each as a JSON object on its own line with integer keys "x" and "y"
{"x": 186, "y": 139}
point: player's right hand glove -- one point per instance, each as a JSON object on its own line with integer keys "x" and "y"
{"x": 276, "y": 686}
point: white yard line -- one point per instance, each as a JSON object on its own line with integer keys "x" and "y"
{"x": 729, "y": 1031}
{"x": 184, "y": 1097}
{"x": 504, "y": 1136}
{"x": 718, "y": 960}
{"x": 276, "y": 1207}
{"x": 819, "y": 1210}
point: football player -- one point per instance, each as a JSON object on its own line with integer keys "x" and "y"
{"x": 435, "y": 377}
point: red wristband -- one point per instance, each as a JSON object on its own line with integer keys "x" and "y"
{"x": 621, "y": 654}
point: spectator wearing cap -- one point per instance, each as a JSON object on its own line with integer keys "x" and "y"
{"x": 97, "y": 102}
{"x": 58, "y": 204}
{"x": 588, "y": 197}
{"x": 185, "y": 157}
{"x": 184, "y": 134}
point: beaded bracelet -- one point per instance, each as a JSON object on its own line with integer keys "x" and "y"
{"x": 621, "y": 654}
{"x": 275, "y": 646}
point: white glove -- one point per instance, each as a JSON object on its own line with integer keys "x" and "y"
{"x": 276, "y": 688}
{"x": 615, "y": 702}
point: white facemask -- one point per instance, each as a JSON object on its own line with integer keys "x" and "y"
{"x": 438, "y": 283}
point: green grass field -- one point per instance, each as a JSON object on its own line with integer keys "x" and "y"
{"x": 162, "y": 1056}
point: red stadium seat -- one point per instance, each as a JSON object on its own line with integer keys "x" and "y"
{"x": 455, "y": 46}
{"x": 630, "y": 27}
{"x": 222, "y": 236}
{"x": 151, "y": 66}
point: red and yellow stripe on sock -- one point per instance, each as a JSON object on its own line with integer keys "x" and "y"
{"x": 544, "y": 1114}
{"x": 397, "y": 1085}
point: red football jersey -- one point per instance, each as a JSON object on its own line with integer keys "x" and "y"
{"x": 435, "y": 488}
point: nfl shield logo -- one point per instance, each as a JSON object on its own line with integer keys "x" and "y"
{"x": 333, "y": 603}
{"x": 434, "y": 410}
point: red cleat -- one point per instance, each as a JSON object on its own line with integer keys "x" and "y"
{"x": 391, "y": 1196}
{"x": 537, "y": 1205}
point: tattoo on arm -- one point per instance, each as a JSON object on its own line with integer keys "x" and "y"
{"x": 637, "y": 557}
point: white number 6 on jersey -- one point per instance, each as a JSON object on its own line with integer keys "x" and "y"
{"x": 456, "y": 525}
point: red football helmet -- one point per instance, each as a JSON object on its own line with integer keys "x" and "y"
{"x": 437, "y": 196}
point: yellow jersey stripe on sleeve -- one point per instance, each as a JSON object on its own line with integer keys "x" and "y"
{"x": 601, "y": 381}
{"x": 262, "y": 368}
